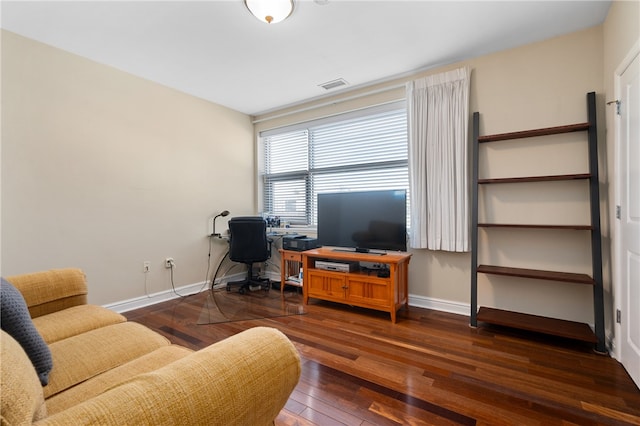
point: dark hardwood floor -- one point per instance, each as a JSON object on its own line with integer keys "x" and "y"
{"x": 429, "y": 368}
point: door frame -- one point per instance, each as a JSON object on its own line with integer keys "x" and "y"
{"x": 617, "y": 231}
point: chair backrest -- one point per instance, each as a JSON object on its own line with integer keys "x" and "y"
{"x": 248, "y": 240}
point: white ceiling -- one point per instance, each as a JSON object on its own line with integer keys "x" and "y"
{"x": 217, "y": 51}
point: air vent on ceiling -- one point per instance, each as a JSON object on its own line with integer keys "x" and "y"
{"x": 333, "y": 84}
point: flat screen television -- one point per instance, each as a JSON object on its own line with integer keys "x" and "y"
{"x": 363, "y": 221}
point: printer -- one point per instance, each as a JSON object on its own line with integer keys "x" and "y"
{"x": 299, "y": 242}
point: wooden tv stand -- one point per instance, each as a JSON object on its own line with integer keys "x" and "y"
{"x": 358, "y": 288}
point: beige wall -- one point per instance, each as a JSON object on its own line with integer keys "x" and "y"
{"x": 103, "y": 170}
{"x": 539, "y": 85}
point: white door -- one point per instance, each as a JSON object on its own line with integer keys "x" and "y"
{"x": 629, "y": 224}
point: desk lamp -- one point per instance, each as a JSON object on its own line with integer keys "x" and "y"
{"x": 223, "y": 214}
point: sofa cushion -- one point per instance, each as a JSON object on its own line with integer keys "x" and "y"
{"x": 245, "y": 379}
{"x": 22, "y": 400}
{"x": 53, "y": 290}
{"x": 75, "y": 320}
{"x": 114, "y": 377}
{"x": 89, "y": 354}
{"x": 15, "y": 320}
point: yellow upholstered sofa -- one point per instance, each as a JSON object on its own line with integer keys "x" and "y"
{"x": 107, "y": 370}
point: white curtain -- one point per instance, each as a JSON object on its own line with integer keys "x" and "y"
{"x": 438, "y": 116}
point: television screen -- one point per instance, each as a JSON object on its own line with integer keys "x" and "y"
{"x": 369, "y": 220}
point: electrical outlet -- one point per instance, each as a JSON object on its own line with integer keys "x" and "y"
{"x": 146, "y": 266}
{"x": 169, "y": 262}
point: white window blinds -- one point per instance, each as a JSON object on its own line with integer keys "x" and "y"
{"x": 344, "y": 153}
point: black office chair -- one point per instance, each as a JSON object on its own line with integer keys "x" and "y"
{"x": 248, "y": 244}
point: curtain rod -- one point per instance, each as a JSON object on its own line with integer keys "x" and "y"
{"x": 334, "y": 102}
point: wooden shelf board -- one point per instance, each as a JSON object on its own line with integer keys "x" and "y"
{"x": 532, "y": 226}
{"x": 538, "y": 324}
{"x": 579, "y": 127}
{"x": 550, "y": 178}
{"x": 568, "y": 277}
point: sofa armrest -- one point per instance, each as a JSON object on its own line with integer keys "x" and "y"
{"x": 245, "y": 379}
{"x": 51, "y": 291}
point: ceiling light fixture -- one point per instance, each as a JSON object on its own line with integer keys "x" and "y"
{"x": 270, "y": 11}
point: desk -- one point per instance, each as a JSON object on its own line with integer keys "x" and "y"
{"x": 290, "y": 263}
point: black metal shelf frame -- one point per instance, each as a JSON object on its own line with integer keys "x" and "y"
{"x": 596, "y": 236}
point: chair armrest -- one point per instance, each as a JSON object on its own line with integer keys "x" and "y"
{"x": 51, "y": 291}
{"x": 245, "y": 379}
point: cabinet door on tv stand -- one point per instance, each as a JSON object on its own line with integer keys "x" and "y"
{"x": 325, "y": 285}
{"x": 368, "y": 291}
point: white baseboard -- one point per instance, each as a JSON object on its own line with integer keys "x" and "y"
{"x": 152, "y": 299}
{"x": 439, "y": 305}
{"x": 163, "y": 296}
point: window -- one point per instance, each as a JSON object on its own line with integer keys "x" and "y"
{"x": 351, "y": 152}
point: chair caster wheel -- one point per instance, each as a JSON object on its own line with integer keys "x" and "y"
{"x": 241, "y": 290}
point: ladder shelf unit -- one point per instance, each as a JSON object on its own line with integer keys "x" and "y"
{"x": 529, "y": 322}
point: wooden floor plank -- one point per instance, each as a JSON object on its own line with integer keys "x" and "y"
{"x": 428, "y": 368}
